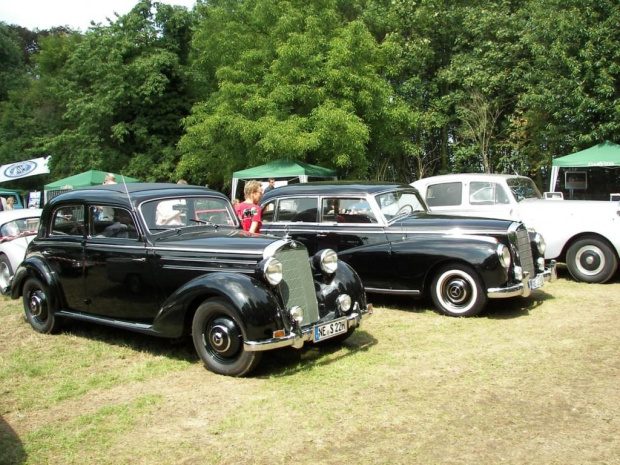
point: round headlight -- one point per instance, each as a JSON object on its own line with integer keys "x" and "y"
{"x": 328, "y": 261}
{"x": 344, "y": 302}
{"x": 297, "y": 314}
{"x": 541, "y": 245}
{"x": 272, "y": 270}
{"x": 504, "y": 255}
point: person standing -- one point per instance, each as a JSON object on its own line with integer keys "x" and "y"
{"x": 248, "y": 211}
{"x": 271, "y": 185}
{"x": 10, "y": 203}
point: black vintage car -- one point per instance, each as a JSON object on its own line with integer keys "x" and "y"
{"x": 386, "y": 233}
{"x": 170, "y": 260}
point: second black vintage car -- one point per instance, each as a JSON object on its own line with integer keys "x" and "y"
{"x": 386, "y": 233}
{"x": 170, "y": 260}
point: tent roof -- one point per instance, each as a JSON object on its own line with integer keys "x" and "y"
{"x": 601, "y": 155}
{"x": 85, "y": 179}
{"x": 284, "y": 169}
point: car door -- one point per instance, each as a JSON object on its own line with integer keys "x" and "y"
{"x": 63, "y": 249}
{"x": 117, "y": 279}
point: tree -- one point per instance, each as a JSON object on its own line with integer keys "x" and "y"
{"x": 126, "y": 91}
{"x": 289, "y": 79}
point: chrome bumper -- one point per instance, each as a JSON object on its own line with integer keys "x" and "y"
{"x": 524, "y": 288}
{"x": 296, "y": 339}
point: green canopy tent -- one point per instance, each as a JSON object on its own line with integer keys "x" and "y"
{"x": 603, "y": 155}
{"x": 281, "y": 169}
{"x": 85, "y": 179}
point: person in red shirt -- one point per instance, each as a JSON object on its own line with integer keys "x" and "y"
{"x": 248, "y": 211}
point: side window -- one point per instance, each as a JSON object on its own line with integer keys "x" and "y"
{"x": 121, "y": 226}
{"x": 68, "y": 221}
{"x": 444, "y": 195}
{"x": 486, "y": 193}
{"x": 306, "y": 210}
{"x": 297, "y": 210}
{"x": 355, "y": 210}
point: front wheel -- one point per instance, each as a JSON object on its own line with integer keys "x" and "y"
{"x": 6, "y": 274}
{"x": 591, "y": 260}
{"x": 38, "y": 307}
{"x": 456, "y": 290}
{"x": 219, "y": 340}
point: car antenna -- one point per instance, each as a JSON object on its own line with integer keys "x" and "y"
{"x": 133, "y": 208}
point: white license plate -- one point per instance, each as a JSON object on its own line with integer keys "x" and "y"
{"x": 331, "y": 329}
{"x": 537, "y": 282}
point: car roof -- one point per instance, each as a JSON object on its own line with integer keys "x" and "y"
{"x": 465, "y": 176}
{"x": 12, "y": 215}
{"x": 137, "y": 191}
{"x": 357, "y": 188}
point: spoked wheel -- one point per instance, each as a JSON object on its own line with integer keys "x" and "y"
{"x": 6, "y": 273}
{"x": 456, "y": 291}
{"x": 591, "y": 260}
{"x": 38, "y": 307}
{"x": 219, "y": 340}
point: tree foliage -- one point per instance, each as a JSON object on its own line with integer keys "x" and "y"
{"x": 377, "y": 89}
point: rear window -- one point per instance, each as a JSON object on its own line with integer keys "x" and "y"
{"x": 443, "y": 195}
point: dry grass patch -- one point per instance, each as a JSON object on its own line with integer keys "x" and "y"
{"x": 530, "y": 381}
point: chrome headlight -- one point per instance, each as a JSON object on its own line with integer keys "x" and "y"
{"x": 344, "y": 302}
{"x": 541, "y": 245}
{"x": 326, "y": 260}
{"x": 297, "y": 314}
{"x": 271, "y": 269}
{"x": 503, "y": 253}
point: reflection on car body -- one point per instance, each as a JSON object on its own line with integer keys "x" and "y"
{"x": 236, "y": 294}
{"x": 397, "y": 246}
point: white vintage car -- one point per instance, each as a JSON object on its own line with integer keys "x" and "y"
{"x": 17, "y": 229}
{"x": 584, "y": 234}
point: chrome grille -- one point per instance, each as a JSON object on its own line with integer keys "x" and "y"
{"x": 297, "y": 286}
{"x": 525, "y": 251}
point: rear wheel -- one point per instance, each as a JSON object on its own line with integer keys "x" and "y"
{"x": 456, "y": 290}
{"x": 219, "y": 340}
{"x": 591, "y": 260}
{"x": 6, "y": 273}
{"x": 38, "y": 307}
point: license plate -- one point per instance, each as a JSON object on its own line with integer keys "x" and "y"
{"x": 331, "y": 329}
{"x": 537, "y": 282}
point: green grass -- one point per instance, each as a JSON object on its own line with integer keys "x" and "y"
{"x": 529, "y": 381}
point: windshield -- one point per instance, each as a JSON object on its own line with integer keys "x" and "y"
{"x": 398, "y": 203}
{"x": 523, "y": 188}
{"x": 179, "y": 212}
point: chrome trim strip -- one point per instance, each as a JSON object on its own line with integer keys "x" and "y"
{"x": 378, "y": 290}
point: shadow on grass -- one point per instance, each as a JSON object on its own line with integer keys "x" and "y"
{"x": 11, "y": 448}
{"x": 514, "y": 307}
{"x": 181, "y": 349}
{"x": 281, "y": 362}
{"x": 289, "y": 361}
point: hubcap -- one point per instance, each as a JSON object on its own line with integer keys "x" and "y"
{"x": 456, "y": 291}
{"x": 590, "y": 260}
{"x": 37, "y": 305}
{"x": 222, "y": 338}
{"x": 5, "y": 276}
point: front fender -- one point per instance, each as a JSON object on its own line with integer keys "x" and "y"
{"x": 344, "y": 281}
{"x": 255, "y": 304}
{"x": 34, "y": 266}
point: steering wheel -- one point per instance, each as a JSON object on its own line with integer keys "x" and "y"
{"x": 405, "y": 209}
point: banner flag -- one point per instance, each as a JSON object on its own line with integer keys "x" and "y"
{"x": 23, "y": 169}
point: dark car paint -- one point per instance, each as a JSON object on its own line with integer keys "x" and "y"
{"x": 152, "y": 284}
